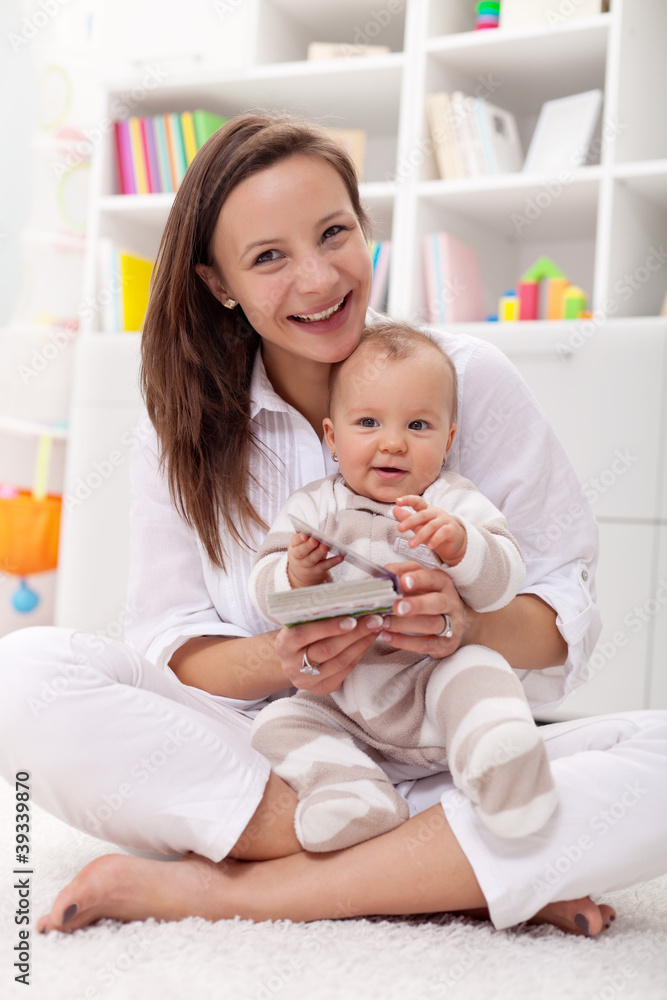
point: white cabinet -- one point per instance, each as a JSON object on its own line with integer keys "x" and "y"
{"x": 601, "y": 382}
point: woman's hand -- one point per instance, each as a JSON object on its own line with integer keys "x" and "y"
{"x": 419, "y": 616}
{"x": 335, "y": 646}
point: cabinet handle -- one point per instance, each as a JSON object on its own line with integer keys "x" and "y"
{"x": 563, "y": 353}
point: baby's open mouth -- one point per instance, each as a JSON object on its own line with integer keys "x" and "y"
{"x": 389, "y": 470}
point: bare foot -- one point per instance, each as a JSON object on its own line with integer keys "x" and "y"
{"x": 128, "y": 888}
{"x": 574, "y": 916}
{"x": 577, "y": 916}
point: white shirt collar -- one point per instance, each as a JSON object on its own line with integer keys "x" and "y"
{"x": 262, "y": 394}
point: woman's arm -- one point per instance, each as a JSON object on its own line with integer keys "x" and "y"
{"x": 524, "y": 631}
{"x": 235, "y": 668}
{"x": 254, "y": 668}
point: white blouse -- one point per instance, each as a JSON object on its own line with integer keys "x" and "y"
{"x": 503, "y": 444}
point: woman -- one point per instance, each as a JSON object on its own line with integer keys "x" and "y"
{"x": 263, "y": 282}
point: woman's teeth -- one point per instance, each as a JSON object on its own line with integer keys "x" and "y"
{"x": 316, "y": 317}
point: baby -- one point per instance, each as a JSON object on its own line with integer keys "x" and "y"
{"x": 400, "y": 714}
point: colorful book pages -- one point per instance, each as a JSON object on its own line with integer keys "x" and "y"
{"x": 189, "y": 139}
{"x": 138, "y": 156}
{"x": 164, "y": 166}
{"x": 153, "y": 153}
{"x": 176, "y": 137}
{"x": 126, "y": 181}
{"x": 452, "y": 278}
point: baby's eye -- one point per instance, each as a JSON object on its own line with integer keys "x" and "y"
{"x": 418, "y": 425}
{"x": 368, "y": 422}
{"x": 268, "y": 257}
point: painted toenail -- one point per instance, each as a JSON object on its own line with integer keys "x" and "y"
{"x": 582, "y": 923}
{"x": 70, "y": 912}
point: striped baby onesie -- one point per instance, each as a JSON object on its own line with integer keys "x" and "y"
{"x": 466, "y": 712}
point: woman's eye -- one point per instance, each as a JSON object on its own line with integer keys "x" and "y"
{"x": 267, "y": 257}
{"x": 332, "y": 231}
{"x": 368, "y": 422}
{"x": 418, "y": 425}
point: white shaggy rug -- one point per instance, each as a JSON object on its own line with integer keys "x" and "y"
{"x": 416, "y": 958}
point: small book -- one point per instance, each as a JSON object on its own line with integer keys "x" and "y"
{"x": 138, "y": 156}
{"x": 164, "y": 167}
{"x": 333, "y": 600}
{"x": 189, "y": 138}
{"x": 563, "y": 133}
{"x": 126, "y": 179}
{"x": 500, "y": 138}
{"x": 150, "y": 151}
{"x": 135, "y": 276}
{"x": 453, "y": 282}
{"x": 177, "y": 148}
{"x": 206, "y": 124}
{"x": 444, "y": 136}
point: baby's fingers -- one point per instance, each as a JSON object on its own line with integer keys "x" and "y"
{"x": 425, "y": 535}
{"x": 412, "y": 500}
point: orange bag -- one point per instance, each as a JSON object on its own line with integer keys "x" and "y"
{"x": 29, "y": 530}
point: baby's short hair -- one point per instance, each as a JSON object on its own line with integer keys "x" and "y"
{"x": 395, "y": 340}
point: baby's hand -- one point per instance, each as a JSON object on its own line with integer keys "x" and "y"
{"x": 307, "y": 562}
{"x": 433, "y": 527}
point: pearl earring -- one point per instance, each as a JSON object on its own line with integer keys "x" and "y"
{"x": 229, "y": 303}
{"x": 334, "y": 456}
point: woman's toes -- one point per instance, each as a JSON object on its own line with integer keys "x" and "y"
{"x": 76, "y": 906}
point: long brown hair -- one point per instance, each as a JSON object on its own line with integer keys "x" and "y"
{"x": 197, "y": 357}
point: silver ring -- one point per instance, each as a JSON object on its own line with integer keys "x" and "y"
{"x": 307, "y": 667}
{"x": 447, "y": 630}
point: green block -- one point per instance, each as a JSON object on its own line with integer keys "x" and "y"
{"x": 543, "y": 267}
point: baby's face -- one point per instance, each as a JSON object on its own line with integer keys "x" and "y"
{"x": 391, "y": 423}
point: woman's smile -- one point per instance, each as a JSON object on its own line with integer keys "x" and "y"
{"x": 326, "y": 313}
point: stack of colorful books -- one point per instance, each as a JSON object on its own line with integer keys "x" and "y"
{"x": 472, "y": 137}
{"x": 153, "y": 153}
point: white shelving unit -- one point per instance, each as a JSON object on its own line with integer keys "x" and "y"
{"x": 601, "y": 383}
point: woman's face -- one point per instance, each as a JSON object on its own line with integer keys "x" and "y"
{"x": 290, "y": 250}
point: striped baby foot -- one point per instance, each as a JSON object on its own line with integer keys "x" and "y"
{"x": 508, "y": 778}
{"x": 494, "y": 749}
{"x": 347, "y": 813}
{"x": 344, "y": 797}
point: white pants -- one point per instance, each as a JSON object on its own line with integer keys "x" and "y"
{"x": 120, "y": 750}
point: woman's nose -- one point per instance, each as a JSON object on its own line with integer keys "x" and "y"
{"x": 315, "y": 273}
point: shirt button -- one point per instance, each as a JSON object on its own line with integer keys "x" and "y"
{"x": 584, "y": 574}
